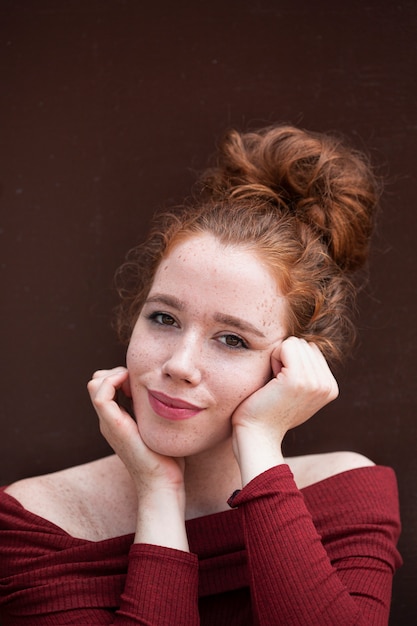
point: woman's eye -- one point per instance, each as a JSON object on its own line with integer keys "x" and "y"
{"x": 233, "y": 341}
{"x": 163, "y": 318}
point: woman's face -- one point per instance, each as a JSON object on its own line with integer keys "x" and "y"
{"x": 202, "y": 344}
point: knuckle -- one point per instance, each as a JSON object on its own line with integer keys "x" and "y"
{"x": 91, "y": 385}
{"x": 98, "y": 374}
{"x": 335, "y": 391}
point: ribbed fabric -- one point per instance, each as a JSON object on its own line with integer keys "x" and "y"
{"x": 321, "y": 556}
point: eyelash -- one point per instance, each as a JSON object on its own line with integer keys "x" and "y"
{"x": 154, "y": 318}
{"x": 159, "y": 314}
{"x": 243, "y": 345}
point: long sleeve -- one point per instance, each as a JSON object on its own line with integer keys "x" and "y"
{"x": 323, "y": 555}
{"x": 334, "y": 569}
{"x": 161, "y": 588}
{"x": 48, "y": 578}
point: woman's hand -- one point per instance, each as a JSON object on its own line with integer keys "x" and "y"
{"x": 146, "y": 467}
{"x": 159, "y": 480}
{"x": 302, "y": 384}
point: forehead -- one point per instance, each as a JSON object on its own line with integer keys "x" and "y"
{"x": 204, "y": 257}
{"x": 210, "y": 275}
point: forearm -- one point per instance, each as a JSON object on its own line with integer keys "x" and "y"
{"x": 302, "y": 384}
{"x": 161, "y": 520}
{"x": 257, "y": 451}
{"x": 161, "y": 588}
{"x": 292, "y": 577}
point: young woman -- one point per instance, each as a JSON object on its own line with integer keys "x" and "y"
{"x": 232, "y": 309}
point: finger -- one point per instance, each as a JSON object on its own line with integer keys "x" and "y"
{"x": 289, "y": 355}
{"x": 126, "y": 387}
{"x": 109, "y": 372}
{"x": 292, "y": 355}
{"x": 300, "y": 355}
{"x": 116, "y": 425}
{"x": 104, "y": 389}
{"x": 304, "y": 364}
{"x": 116, "y": 375}
{"x": 321, "y": 376}
{"x": 320, "y": 366}
{"x": 276, "y": 363}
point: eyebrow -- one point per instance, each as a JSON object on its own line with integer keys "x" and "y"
{"x": 162, "y": 298}
{"x": 237, "y": 322}
{"x": 222, "y": 318}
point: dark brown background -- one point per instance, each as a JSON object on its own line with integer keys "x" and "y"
{"x": 108, "y": 108}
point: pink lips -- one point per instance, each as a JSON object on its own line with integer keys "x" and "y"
{"x": 171, "y": 408}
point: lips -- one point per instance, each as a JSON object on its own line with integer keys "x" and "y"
{"x": 171, "y": 408}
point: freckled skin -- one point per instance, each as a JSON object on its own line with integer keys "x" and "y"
{"x": 190, "y": 359}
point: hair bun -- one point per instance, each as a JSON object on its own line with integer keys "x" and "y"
{"x": 319, "y": 180}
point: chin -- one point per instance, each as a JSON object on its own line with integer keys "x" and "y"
{"x": 177, "y": 445}
{"x": 169, "y": 444}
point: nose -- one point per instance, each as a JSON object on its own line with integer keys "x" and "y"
{"x": 183, "y": 362}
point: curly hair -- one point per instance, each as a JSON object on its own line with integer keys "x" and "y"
{"x": 303, "y": 202}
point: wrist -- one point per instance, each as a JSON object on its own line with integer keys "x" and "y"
{"x": 256, "y": 451}
{"x": 161, "y": 520}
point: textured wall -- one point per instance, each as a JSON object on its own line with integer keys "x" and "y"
{"x": 108, "y": 107}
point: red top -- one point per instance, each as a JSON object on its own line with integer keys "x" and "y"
{"x": 321, "y": 556}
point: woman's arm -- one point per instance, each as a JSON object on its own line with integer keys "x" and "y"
{"x": 162, "y": 575}
{"x": 159, "y": 480}
{"x": 48, "y": 577}
{"x": 336, "y": 569}
{"x": 302, "y": 384}
{"x": 293, "y": 578}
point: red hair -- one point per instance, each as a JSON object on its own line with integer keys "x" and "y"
{"x": 303, "y": 202}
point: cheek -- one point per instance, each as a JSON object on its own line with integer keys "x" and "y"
{"x": 138, "y": 355}
{"x": 242, "y": 381}
{"x": 131, "y": 355}
{"x": 261, "y": 370}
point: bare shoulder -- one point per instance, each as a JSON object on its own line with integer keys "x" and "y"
{"x": 84, "y": 500}
{"x": 313, "y": 468}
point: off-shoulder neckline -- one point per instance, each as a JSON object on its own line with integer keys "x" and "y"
{"x": 193, "y": 521}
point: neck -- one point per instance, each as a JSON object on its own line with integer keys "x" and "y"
{"x": 210, "y": 479}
